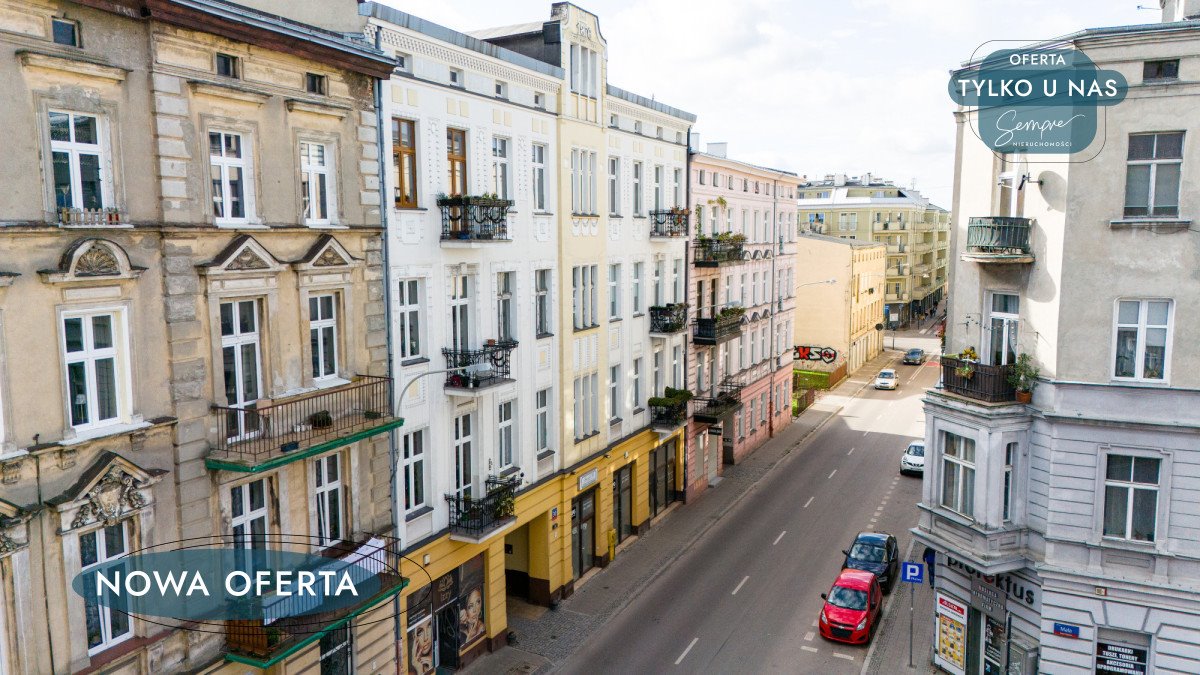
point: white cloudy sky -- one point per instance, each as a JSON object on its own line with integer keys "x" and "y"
{"x": 815, "y": 86}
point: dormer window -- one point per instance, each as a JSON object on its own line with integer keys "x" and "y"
{"x": 614, "y": 121}
{"x": 65, "y": 32}
{"x": 228, "y": 66}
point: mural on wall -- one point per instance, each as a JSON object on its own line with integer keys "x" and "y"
{"x": 826, "y": 354}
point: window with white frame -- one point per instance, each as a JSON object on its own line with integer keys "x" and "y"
{"x": 107, "y": 624}
{"x": 677, "y": 279}
{"x": 656, "y": 376}
{"x": 1143, "y": 340}
{"x": 658, "y": 187}
{"x": 1010, "y": 460}
{"x": 460, "y": 312}
{"x": 614, "y": 392}
{"x": 676, "y": 188}
{"x": 658, "y": 283}
{"x": 542, "y": 420}
{"x": 500, "y": 167}
{"x": 677, "y": 367}
{"x": 958, "y": 474}
{"x": 583, "y": 182}
{"x": 1131, "y": 497}
{"x": 97, "y": 364}
{"x": 80, "y": 161}
{"x": 1152, "y": 174}
{"x": 316, "y": 186}
{"x": 637, "y": 287}
{"x": 637, "y": 382}
{"x": 614, "y": 186}
{"x": 637, "y": 188}
{"x": 323, "y": 335}
{"x": 541, "y": 281}
{"x": 847, "y": 221}
{"x": 248, "y": 510}
{"x": 585, "y": 71}
{"x": 241, "y": 363}
{"x": 1003, "y": 326}
{"x": 409, "y": 323}
{"x": 463, "y": 454}
{"x": 327, "y": 490}
{"x": 413, "y": 461}
{"x": 501, "y": 89}
{"x": 701, "y": 370}
{"x": 229, "y": 172}
{"x": 584, "y": 282}
{"x": 762, "y": 408}
{"x": 504, "y": 306}
{"x": 614, "y": 291}
{"x": 587, "y": 408}
{"x": 539, "y": 176}
{"x": 505, "y": 441}
{"x": 456, "y": 78}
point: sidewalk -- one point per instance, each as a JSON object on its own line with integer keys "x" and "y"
{"x": 889, "y": 650}
{"x": 549, "y": 639}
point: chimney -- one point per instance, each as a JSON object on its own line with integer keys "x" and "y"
{"x": 718, "y": 149}
{"x": 866, "y": 179}
{"x": 1179, "y": 10}
{"x": 694, "y": 141}
{"x": 839, "y": 180}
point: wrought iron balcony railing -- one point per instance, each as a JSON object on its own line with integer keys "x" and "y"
{"x": 477, "y": 516}
{"x": 999, "y": 239}
{"x": 474, "y": 218}
{"x": 267, "y": 429}
{"x": 710, "y": 252}
{"x": 977, "y": 380}
{"x": 715, "y": 330}
{"x": 728, "y": 399}
{"x": 672, "y": 223}
{"x": 668, "y": 417}
{"x": 487, "y": 366}
{"x": 667, "y": 319}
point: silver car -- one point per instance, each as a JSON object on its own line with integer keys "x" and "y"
{"x": 913, "y": 459}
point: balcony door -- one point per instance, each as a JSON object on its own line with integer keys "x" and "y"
{"x": 1011, "y": 199}
{"x": 462, "y": 454}
{"x": 241, "y": 355}
{"x": 1002, "y": 329}
{"x": 460, "y": 312}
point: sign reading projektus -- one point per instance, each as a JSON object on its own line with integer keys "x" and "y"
{"x": 1037, "y": 101}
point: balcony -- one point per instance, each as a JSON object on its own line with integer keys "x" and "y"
{"x": 725, "y": 326}
{"x": 477, "y": 370}
{"x": 475, "y": 520}
{"x": 897, "y": 248}
{"x": 667, "y": 418}
{"x": 890, "y": 226}
{"x": 898, "y": 271}
{"x": 727, "y": 400}
{"x": 998, "y": 239}
{"x": 89, "y": 217}
{"x": 474, "y": 221}
{"x": 896, "y": 297}
{"x": 666, "y": 320}
{"x": 718, "y": 252}
{"x": 267, "y": 434}
{"x": 669, "y": 223}
{"x": 977, "y": 381}
{"x": 290, "y": 623}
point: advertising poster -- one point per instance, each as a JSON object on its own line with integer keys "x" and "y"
{"x": 951, "y": 635}
{"x": 470, "y": 613}
{"x": 420, "y": 632}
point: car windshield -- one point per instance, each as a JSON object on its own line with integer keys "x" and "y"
{"x": 914, "y": 352}
{"x": 848, "y": 598}
{"x": 867, "y": 553}
{"x": 885, "y": 375}
{"x": 916, "y": 450}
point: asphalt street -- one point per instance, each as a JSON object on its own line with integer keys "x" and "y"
{"x": 745, "y": 598}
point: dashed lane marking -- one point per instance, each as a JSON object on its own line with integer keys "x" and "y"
{"x": 807, "y": 503}
{"x": 685, "y": 652}
{"x": 809, "y": 636}
{"x": 831, "y": 474}
{"x": 808, "y": 649}
{"x": 843, "y": 656}
{"x": 779, "y": 537}
{"x": 851, "y": 452}
{"x": 740, "y": 584}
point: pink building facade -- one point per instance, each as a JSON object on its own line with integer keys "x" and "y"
{"x": 741, "y": 297}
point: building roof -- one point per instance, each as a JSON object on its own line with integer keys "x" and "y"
{"x": 508, "y": 31}
{"x": 853, "y": 243}
{"x": 1135, "y": 30}
{"x": 650, "y": 103}
{"x": 697, "y": 153}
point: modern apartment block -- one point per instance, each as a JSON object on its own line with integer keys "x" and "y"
{"x": 1075, "y": 517}
{"x": 742, "y": 290}
{"x": 916, "y": 232}
{"x": 192, "y": 336}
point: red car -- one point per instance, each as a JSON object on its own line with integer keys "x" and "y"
{"x": 852, "y": 607}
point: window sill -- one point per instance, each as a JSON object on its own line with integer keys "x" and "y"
{"x": 585, "y": 215}
{"x": 415, "y": 361}
{"x": 545, "y": 454}
{"x": 614, "y": 319}
{"x": 1152, "y": 223}
{"x": 1134, "y": 382}
{"x": 1132, "y": 545}
{"x": 424, "y": 510}
{"x": 638, "y": 217}
{"x": 615, "y": 420}
{"x": 615, "y": 215}
{"x": 638, "y": 315}
{"x": 584, "y": 329}
{"x": 330, "y": 383}
{"x": 510, "y": 471}
{"x": 584, "y": 438}
{"x": 103, "y": 432}
{"x": 326, "y": 226}
{"x": 542, "y": 213}
{"x": 410, "y": 208}
{"x": 543, "y": 336}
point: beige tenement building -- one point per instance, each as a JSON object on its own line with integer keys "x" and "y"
{"x": 916, "y": 232}
{"x": 838, "y": 323}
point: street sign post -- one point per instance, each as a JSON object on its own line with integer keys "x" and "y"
{"x": 912, "y": 574}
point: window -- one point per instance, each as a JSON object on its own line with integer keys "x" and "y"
{"x": 614, "y": 393}
{"x": 701, "y": 370}
{"x": 614, "y": 120}
{"x": 67, "y": 32}
{"x": 637, "y": 382}
{"x": 538, "y": 161}
{"x": 228, "y": 66}
{"x": 637, "y": 188}
{"x": 1010, "y": 458}
{"x": 659, "y": 132}
{"x": 504, "y": 445}
{"x": 1004, "y": 328}
{"x": 462, "y": 455}
{"x": 1152, "y": 174}
{"x": 585, "y": 71}
{"x": 583, "y": 182}
{"x": 327, "y": 489}
{"x": 314, "y": 183}
{"x": 614, "y": 291}
{"x": 637, "y": 127}
{"x": 228, "y": 170}
{"x": 409, "y": 318}
{"x": 958, "y": 474}
{"x": 413, "y": 460}
{"x": 315, "y": 84}
{"x": 241, "y": 364}
{"x": 716, "y": 179}
{"x": 500, "y": 167}
{"x": 456, "y": 157}
{"x": 587, "y": 405}
{"x": 637, "y": 287}
{"x": 460, "y": 312}
{"x": 762, "y": 408}
{"x": 677, "y": 279}
{"x": 337, "y": 651}
{"x": 80, "y": 162}
{"x": 248, "y": 511}
{"x": 106, "y": 625}
{"x": 542, "y": 302}
{"x": 404, "y": 162}
{"x": 1142, "y": 339}
{"x": 1154, "y": 70}
{"x": 1131, "y": 497}
{"x": 658, "y": 283}
{"x": 539, "y": 100}
{"x": 501, "y": 89}
{"x": 542, "y": 420}
{"x": 656, "y": 380}
{"x": 614, "y": 186}
{"x": 677, "y": 367}
{"x": 847, "y": 221}
{"x": 701, "y": 177}
{"x": 456, "y": 77}
{"x": 403, "y": 62}
{"x": 94, "y": 354}
{"x": 323, "y": 335}
{"x": 676, "y": 186}
{"x": 584, "y": 295}
{"x": 504, "y": 305}
{"x": 658, "y": 187}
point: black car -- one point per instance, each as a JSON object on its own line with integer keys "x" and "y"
{"x": 914, "y": 357}
{"x": 875, "y": 552}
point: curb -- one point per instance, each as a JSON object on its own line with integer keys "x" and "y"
{"x": 887, "y": 608}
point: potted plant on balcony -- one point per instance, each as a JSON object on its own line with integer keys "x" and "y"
{"x": 1023, "y": 377}
{"x": 966, "y": 367}
{"x": 731, "y": 313}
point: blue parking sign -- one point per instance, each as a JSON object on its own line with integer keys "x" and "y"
{"x": 913, "y": 573}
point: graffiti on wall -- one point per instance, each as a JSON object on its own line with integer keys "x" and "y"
{"x": 826, "y": 354}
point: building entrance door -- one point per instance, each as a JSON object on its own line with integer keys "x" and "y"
{"x": 447, "y": 636}
{"x": 623, "y": 502}
{"x": 583, "y": 533}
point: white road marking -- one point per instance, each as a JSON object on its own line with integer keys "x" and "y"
{"x": 831, "y": 474}
{"x": 814, "y": 625}
{"x": 851, "y": 451}
{"x": 844, "y": 656}
{"x": 739, "y": 586}
{"x": 779, "y": 537}
{"x": 685, "y": 652}
{"x": 809, "y": 636}
{"x": 866, "y": 432}
{"x": 807, "y": 503}
{"x": 808, "y": 649}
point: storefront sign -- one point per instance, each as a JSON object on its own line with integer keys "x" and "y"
{"x": 1066, "y": 630}
{"x": 588, "y": 478}
{"x": 1119, "y": 659}
{"x": 951, "y": 652}
{"x": 987, "y": 598}
{"x": 1017, "y": 588}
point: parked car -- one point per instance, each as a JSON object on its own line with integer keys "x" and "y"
{"x": 877, "y": 553}
{"x": 913, "y": 459}
{"x": 852, "y": 608}
{"x": 886, "y": 379}
{"x": 914, "y": 357}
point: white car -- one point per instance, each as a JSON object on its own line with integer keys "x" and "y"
{"x": 913, "y": 459}
{"x": 886, "y": 379}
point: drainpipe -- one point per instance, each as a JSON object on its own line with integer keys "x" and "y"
{"x": 687, "y": 290}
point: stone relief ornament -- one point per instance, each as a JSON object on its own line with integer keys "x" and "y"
{"x": 247, "y": 260}
{"x": 97, "y": 261}
{"x": 114, "y": 495}
{"x": 329, "y": 258}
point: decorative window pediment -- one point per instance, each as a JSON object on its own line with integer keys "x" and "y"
{"x": 325, "y": 253}
{"x": 14, "y": 534}
{"x": 111, "y": 489}
{"x": 243, "y": 256}
{"x": 92, "y": 260}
